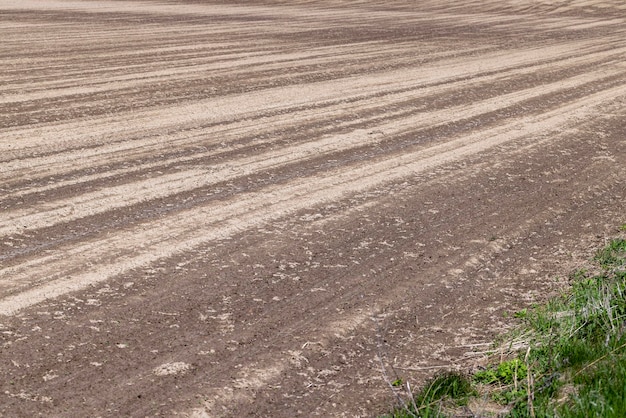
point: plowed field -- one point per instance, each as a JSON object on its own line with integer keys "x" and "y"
{"x": 274, "y": 209}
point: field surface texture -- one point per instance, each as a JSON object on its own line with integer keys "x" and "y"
{"x": 275, "y": 209}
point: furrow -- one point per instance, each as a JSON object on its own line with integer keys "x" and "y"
{"x": 17, "y": 143}
{"x": 55, "y": 275}
{"x": 159, "y": 187}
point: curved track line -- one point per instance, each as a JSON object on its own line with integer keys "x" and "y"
{"x": 88, "y": 204}
{"x": 184, "y": 231}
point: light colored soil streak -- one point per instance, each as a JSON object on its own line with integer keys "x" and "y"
{"x": 186, "y": 230}
{"x": 162, "y": 186}
{"x": 209, "y": 207}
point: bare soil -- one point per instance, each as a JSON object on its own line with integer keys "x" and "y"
{"x": 271, "y": 208}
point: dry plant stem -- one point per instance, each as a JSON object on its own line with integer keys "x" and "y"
{"x": 531, "y": 395}
{"x": 384, "y": 369}
{"x": 529, "y": 388}
{"x": 388, "y": 381}
{"x": 418, "y": 369}
{"x": 408, "y": 388}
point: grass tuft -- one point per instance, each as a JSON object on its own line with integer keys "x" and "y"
{"x": 444, "y": 391}
{"x": 613, "y": 254}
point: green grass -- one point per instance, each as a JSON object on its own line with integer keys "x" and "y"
{"x": 573, "y": 363}
{"x": 433, "y": 397}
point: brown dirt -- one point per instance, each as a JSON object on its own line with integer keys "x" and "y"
{"x": 270, "y": 208}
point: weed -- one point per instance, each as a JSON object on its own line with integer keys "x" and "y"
{"x": 505, "y": 373}
{"x": 521, "y": 314}
{"x": 397, "y": 383}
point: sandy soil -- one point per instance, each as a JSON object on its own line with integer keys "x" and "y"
{"x": 271, "y": 208}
